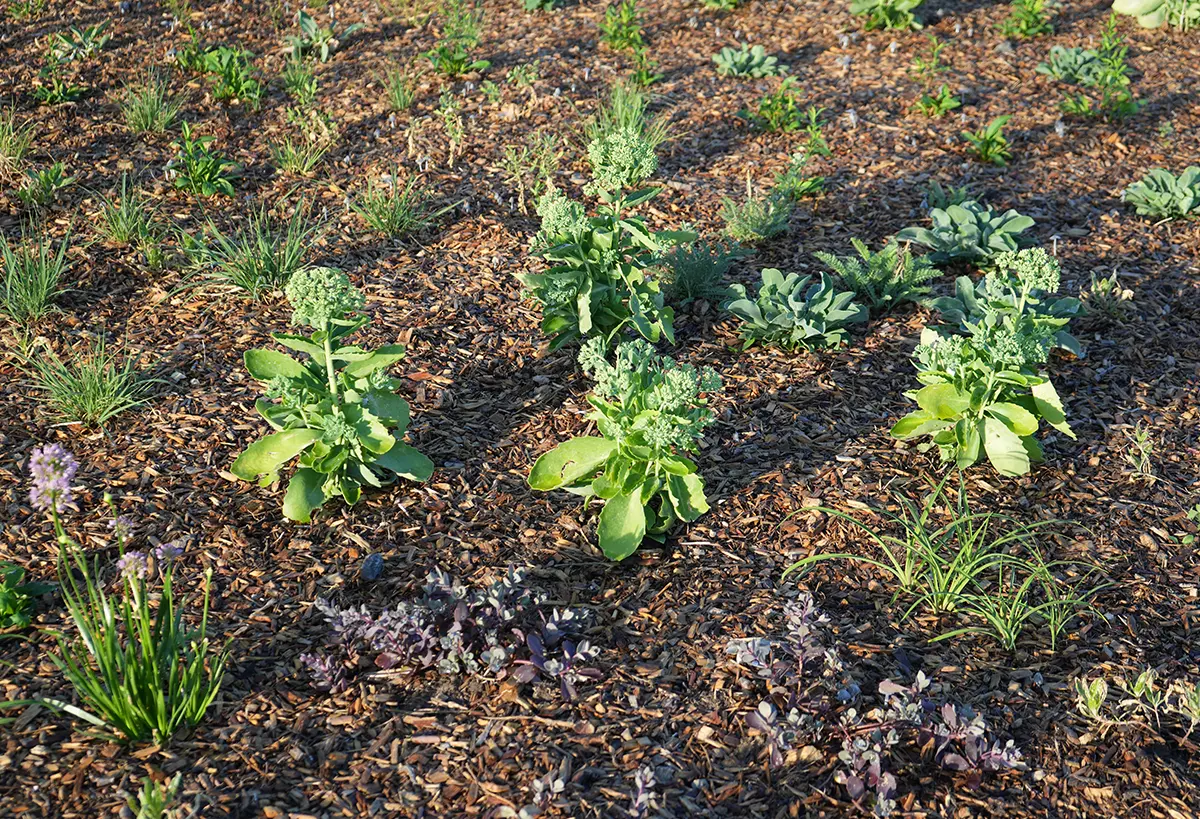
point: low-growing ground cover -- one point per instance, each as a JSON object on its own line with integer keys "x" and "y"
{"x": 458, "y": 644}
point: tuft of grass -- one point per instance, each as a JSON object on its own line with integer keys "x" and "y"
{"x": 257, "y": 260}
{"x": 148, "y": 106}
{"x": 33, "y": 274}
{"x": 90, "y": 387}
{"x": 626, "y": 108}
{"x": 300, "y": 153}
{"x": 15, "y": 141}
{"x": 127, "y": 219}
{"x": 391, "y": 208}
{"x": 400, "y": 87}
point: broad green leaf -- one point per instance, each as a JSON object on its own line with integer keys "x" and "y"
{"x": 970, "y": 443}
{"x": 622, "y": 526}
{"x": 267, "y": 364}
{"x": 570, "y": 462}
{"x": 265, "y": 456}
{"x": 1050, "y": 407}
{"x": 406, "y": 462}
{"x": 304, "y": 494}
{"x": 385, "y": 356}
{"x": 916, "y": 423}
{"x": 388, "y": 406}
{"x": 1017, "y": 418}
{"x": 687, "y": 496}
{"x": 1004, "y": 448}
{"x": 943, "y": 401}
{"x": 301, "y": 344}
{"x": 372, "y": 433}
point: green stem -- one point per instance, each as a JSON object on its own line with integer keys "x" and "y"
{"x": 329, "y": 373}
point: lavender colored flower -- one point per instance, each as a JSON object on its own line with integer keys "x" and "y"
{"x": 132, "y": 565}
{"x": 168, "y": 552}
{"x": 52, "y": 469}
{"x": 121, "y": 526}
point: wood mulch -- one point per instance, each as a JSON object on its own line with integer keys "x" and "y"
{"x": 794, "y": 431}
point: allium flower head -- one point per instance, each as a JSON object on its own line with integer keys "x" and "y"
{"x": 168, "y": 552}
{"x": 52, "y": 469}
{"x": 132, "y": 565}
{"x": 320, "y": 294}
{"x": 621, "y": 160}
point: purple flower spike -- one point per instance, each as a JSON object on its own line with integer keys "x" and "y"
{"x": 132, "y": 565}
{"x": 52, "y": 469}
{"x": 168, "y": 552}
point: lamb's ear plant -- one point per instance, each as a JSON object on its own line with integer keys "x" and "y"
{"x": 338, "y": 411}
{"x": 747, "y": 61}
{"x": 1017, "y": 284}
{"x": 787, "y": 312}
{"x": 602, "y": 279}
{"x": 1162, "y": 195}
{"x": 649, "y": 410}
{"x": 884, "y": 279}
{"x": 969, "y": 232}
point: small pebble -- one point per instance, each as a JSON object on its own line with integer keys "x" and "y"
{"x": 372, "y": 567}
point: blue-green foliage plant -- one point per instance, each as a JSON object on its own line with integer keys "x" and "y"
{"x": 787, "y": 312}
{"x": 969, "y": 232}
{"x": 338, "y": 411}
{"x": 649, "y": 410}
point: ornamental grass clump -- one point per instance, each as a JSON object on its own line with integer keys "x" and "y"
{"x": 338, "y": 411}
{"x": 602, "y": 281}
{"x": 139, "y": 671}
{"x": 649, "y": 409}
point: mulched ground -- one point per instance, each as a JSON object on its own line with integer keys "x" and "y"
{"x": 794, "y": 431}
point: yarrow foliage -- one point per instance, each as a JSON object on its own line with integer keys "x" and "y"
{"x": 648, "y": 408}
{"x": 503, "y": 630}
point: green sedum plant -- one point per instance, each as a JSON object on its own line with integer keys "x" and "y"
{"x": 989, "y": 143}
{"x": 1162, "y": 195}
{"x": 602, "y": 280}
{"x": 747, "y": 61}
{"x": 969, "y": 232}
{"x": 887, "y": 14}
{"x": 985, "y": 392}
{"x": 338, "y": 411}
{"x": 16, "y": 596}
{"x": 788, "y": 313}
{"x": 1181, "y": 14}
{"x": 649, "y": 410}
{"x": 1018, "y": 284}
{"x": 886, "y": 279}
